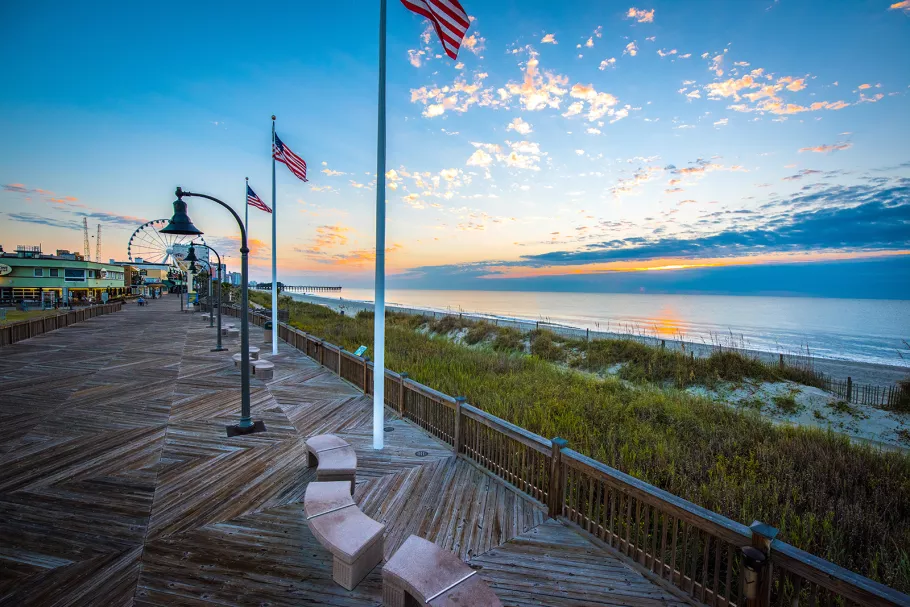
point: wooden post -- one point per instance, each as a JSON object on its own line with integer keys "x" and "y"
{"x": 762, "y": 537}
{"x": 457, "y": 438}
{"x": 402, "y": 379}
{"x": 321, "y": 345}
{"x": 587, "y": 334}
{"x": 780, "y": 360}
{"x": 365, "y": 361}
{"x": 557, "y": 487}
{"x": 849, "y": 388}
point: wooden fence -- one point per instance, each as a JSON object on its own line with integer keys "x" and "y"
{"x": 12, "y": 333}
{"x": 667, "y": 538}
{"x": 883, "y": 397}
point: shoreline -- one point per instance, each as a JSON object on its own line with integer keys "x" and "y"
{"x": 861, "y": 372}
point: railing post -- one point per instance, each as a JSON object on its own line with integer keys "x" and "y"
{"x": 457, "y": 438}
{"x": 321, "y": 345}
{"x": 758, "y": 570}
{"x": 557, "y": 487}
{"x": 402, "y": 378}
{"x": 365, "y": 361}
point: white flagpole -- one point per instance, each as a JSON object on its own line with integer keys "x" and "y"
{"x": 379, "y": 299}
{"x": 274, "y": 252}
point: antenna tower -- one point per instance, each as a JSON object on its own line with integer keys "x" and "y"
{"x": 86, "y": 250}
{"x": 98, "y": 246}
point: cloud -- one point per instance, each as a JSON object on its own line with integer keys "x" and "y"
{"x": 631, "y": 49}
{"x": 702, "y": 166}
{"x": 519, "y": 126}
{"x": 333, "y": 173}
{"x": 67, "y": 224}
{"x": 592, "y": 131}
{"x": 664, "y": 53}
{"x": 415, "y": 57}
{"x": 538, "y": 90}
{"x": 456, "y": 97}
{"x": 837, "y": 218}
{"x": 112, "y": 218}
{"x": 549, "y": 39}
{"x": 900, "y": 6}
{"x": 16, "y": 187}
{"x": 642, "y": 16}
{"x": 611, "y": 62}
{"x": 825, "y": 149}
{"x": 630, "y": 185}
{"x": 722, "y": 122}
{"x": 480, "y": 158}
{"x": 474, "y": 43}
{"x": 599, "y": 104}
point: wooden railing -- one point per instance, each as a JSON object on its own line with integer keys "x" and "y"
{"x": 12, "y": 333}
{"x": 672, "y": 541}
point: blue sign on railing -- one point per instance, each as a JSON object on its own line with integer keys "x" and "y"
{"x": 359, "y": 351}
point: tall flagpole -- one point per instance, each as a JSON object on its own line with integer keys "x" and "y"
{"x": 379, "y": 307}
{"x": 246, "y": 215}
{"x": 274, "y": 252}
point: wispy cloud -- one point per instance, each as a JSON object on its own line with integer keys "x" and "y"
{"x": 827, "y": 149}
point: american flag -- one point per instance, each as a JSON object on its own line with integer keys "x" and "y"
{"x": 295, "y": 163}
{"x": 448, "y": 17}
{"x": 255, "y": 201}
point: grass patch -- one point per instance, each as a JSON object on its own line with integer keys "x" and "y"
{"x": 786, "y": 403}
{"x": 841, "y": 501}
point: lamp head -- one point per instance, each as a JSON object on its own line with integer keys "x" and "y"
{"x": 180, "y": 223}
{"x": 192, "y": 267}
{"x": 191, "y": 255}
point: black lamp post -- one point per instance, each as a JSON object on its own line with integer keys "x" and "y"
{"x": 219, "y": 348}
{"x": 180, "y": 224}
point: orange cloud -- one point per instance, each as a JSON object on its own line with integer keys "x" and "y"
{"x": 642, "y": 16}
{"x": 825, "y": 149}
{"x": 900, "y": 6}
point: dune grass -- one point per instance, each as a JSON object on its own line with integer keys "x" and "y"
{"x": 841, "y": 501}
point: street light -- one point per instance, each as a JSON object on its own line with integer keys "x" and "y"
{"x": 218, "y": 297}
{"x": 180, "y": 224}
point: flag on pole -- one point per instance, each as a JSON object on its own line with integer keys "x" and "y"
{"x": 448, "y": 18}
{"x": 254, "y": 201}
{"x": 295, "y": 163}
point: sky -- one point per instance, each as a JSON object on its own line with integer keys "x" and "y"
{"x": 586, "y": 145}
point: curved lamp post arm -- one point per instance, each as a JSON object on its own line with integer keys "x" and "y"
{"x": 243, "y": 244}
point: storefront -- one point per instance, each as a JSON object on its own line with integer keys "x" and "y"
{"x": 50, "y": 280}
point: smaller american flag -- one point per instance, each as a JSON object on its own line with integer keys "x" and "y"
{"x": 255, "y": 201}
{"x": 295, "y": 163}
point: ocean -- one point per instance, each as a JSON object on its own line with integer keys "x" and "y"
{"x": 866, "y": 330}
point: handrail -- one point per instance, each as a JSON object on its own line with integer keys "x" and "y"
{"x": 503, "y": 461}
{"x": 721, "y": 526}
{"x": 32, "y": 327}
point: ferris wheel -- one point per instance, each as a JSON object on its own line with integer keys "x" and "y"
{"x": 151, "y": 246}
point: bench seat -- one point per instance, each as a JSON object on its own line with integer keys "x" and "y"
{"x": 263, "y": 369}
{"x": 333, "y": 457}
{"x": 431, "y": 575}
{"x": 353, "y": 538}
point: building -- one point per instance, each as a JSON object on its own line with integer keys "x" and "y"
{"x": 152, "y": 278}
{"x": 30, "y": 275}
{"x": 235, "y": 278}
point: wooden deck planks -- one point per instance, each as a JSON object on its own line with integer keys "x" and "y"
{"x": 118, "y": 485}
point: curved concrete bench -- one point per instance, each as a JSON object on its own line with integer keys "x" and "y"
{"x": 333, "y": 457}
{"x": 233, "y": 332}
{"x": 353, "y": 538}
{"x": 433, "y": 576}
{"x": 254, "y": 353}
{"x": 263, "y": 369}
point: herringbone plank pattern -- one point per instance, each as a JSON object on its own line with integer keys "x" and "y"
{"x": 119, "y": 486}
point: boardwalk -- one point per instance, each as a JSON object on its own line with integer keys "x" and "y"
{"x": 118, "y": 485}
